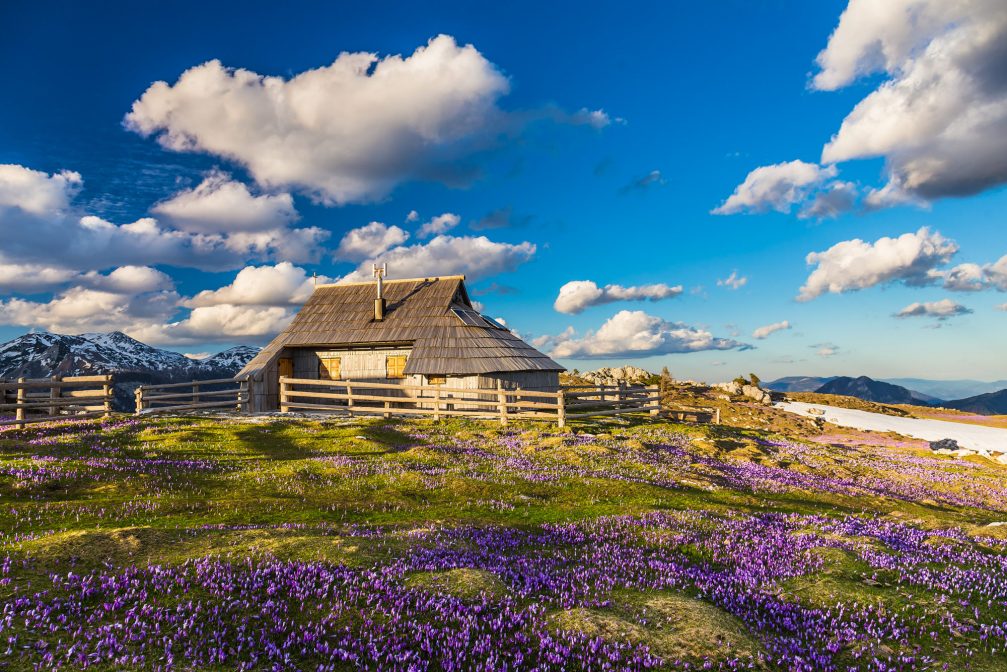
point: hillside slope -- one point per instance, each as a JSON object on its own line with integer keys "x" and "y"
{"x": 992, "y": 403}
{"x": 869, "y": 389}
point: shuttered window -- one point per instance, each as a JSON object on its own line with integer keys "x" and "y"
{"x": 395, "y": 366}
{"x": 437, "y": 380}
{"x": 329, "y": 368}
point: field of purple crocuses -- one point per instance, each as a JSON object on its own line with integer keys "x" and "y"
{"x": 211, "y": 543}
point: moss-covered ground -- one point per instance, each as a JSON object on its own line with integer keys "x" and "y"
{"x": 216, "y": 543}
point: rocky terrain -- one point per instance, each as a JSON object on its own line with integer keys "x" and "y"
{"x": 631, "y": 375}
{"x": 44, "y": 354}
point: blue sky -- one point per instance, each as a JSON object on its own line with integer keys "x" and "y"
{"x": 569, "y": 144}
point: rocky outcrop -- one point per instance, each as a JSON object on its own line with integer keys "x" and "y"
{"x": 631, "y": 375}
{"x": 753, "y": 392}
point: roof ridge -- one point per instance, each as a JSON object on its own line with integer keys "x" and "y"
{"x": 388, "y": 282}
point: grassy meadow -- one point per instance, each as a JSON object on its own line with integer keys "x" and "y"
{"x": 764, "y": 543}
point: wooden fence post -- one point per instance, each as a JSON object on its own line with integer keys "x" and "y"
{"x": 138, "y": 394}
{"x": 716, "y": 416}
{"x": 283, "y": 396}
{"x": 655, "y": 404}
{"x": 195, "y": 392}
{"x": 244, "y": 393}
{"x": 502, "y": 402}
{"x": 349, "y": 398}
{"x": 561, "y": 408}
{"x": 19, "y": 413}
{"x": 106, "y": 392}
{"x": 620, "y": 393}
{"x": 437, "y": 404}
{"x": 55, "y": 391}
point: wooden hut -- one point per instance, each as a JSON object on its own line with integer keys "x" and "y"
{"x": 422, "y": 331}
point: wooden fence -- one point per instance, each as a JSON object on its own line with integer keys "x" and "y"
{"x": 224, "y": 393}
{"x": 58, "y": 398}
{"x": 436, "y": 401}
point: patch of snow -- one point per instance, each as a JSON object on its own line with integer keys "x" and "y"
{"x": 975, "y": 437}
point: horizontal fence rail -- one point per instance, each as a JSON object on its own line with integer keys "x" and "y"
{"x": 33, "y": 400}
{"x": 218, "y": 393}
{"x": 503, "y": 404}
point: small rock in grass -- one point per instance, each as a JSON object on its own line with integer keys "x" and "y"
{"x": 944, "y": 444}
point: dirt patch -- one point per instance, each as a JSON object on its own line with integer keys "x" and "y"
{"x": 462, "y": 582}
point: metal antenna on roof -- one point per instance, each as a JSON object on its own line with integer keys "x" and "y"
{"x": 314, "y": 279}
{"x": 379, "y": 302}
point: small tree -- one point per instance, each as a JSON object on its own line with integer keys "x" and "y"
{"x": 756, "y": 381}
{"x": 665, "y": 382}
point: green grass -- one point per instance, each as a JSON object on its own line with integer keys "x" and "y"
{"x": 288, "y": 489}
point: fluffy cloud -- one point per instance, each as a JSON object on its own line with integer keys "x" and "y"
{"x": 940, "y": 119}
{"x": 35, "y": 192}
{"x": 775, "y": 187}
{"x": 637, "y": 334}
{"x": 39, "y": 224}
{"x": 769, "y": 329}
{"x": 831, "y": 201}
{"x": 347, "y": 132}
{"x": 855, "y": 264}
{"x": 221, "y": 323}
{"x": 970, "y": 277}
{"x": 1003, "y": 307}
{"x": 281, "y": 285}
{"x": 221, "y": 205}
{"x": 439, "y": 224}
{"x": 579, "y": 295}
{"x": 733, "y": 281}
{"x": 33, "y": 277}
{"x": 474, "y": 256}
{"x": 370, "y": 241}
{"x": 122, "y": 300}
{"x": 942, "y": 309}
{"x": 996, "y": 274}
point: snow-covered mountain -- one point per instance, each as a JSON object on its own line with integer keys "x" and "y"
{"x": 43, "y": 354}
{"x": 228, "y": 361}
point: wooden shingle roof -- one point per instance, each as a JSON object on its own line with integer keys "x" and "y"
{"x": 419, "y": 312}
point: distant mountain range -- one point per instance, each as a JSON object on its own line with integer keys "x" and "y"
{"x": 797, "y": 383}
{"x": 44, "y": 354}
{"x": 991, "y": 403}
{"x": 949, "y": 389}
{"x": 987, "y": 402}
{"x": 878, "y": 391}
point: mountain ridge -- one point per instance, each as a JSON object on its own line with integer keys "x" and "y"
{"x": 45, "y": 354}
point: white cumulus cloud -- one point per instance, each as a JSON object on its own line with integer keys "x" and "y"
{"x": 281, "y": 285}
{"x": 578, "y": 295}
{"x": 370, "y": 241}
{"x": 775, "y": 187}
{"x": 637, "y": 334}
{"x": 942, "y": 309}
{"x": 770, "y": 329}
{"x": 439, "y": 224}
{"x": 346, "y": 132}
{"x": 221, "y": 205}
{"x": 855, "y": 264}
{"x": 475, "y": 257}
